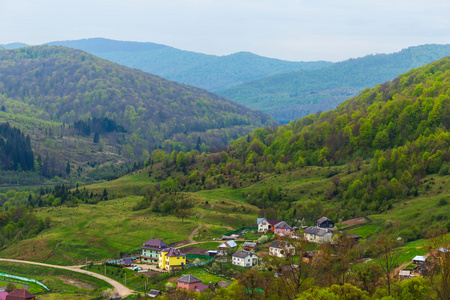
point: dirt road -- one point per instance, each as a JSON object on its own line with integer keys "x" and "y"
{"x": 119, "y": 288}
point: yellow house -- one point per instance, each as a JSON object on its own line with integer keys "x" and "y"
{"x": 171, "y": 259}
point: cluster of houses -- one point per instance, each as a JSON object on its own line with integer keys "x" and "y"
{"x": 320, "y": 233}
{"x": 421, "y": 265}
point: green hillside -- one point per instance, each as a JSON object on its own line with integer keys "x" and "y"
{"x": 13, "y": 45}
{"x": 290, "y": 96}
{"x": 382, "y": 157}
{"x": 383, "y": 154}
{"x": 206, "y": 71}
{"x": 62, "y": 86}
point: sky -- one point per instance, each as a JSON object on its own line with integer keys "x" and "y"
{"x": 296, "y": 30}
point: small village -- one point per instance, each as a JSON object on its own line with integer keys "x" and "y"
{"x": 248, "y": 247}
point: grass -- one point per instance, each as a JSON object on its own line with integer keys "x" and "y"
{"x": 411, "y": 249}
{"x": 206, "y": 245}
{"x": 365, "y": 230}
{"x": 96, "y": 232}
{"x": 109, "y": 228}
{"x": 200, "y": 273}
{"x": 58, "y": 281}
{"x": 118, "y": 273}
{"x": 130, "y": 184}
{"x": 34, "y": 288}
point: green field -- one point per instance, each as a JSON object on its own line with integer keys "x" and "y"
{"x": 60, "y": 282}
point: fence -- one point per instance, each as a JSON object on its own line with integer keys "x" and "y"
{"x": 240, "y": 229}
{"x": 20, "y": 279}
{"x": 198, "y": 256}
{"x": 201, "y": 263}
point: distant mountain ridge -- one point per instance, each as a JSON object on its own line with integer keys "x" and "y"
{"x": 292, "y": 95}
{"x": 13, "y": 45}
{"x": 206, "y": 71}
{"x": 64, "y": 85}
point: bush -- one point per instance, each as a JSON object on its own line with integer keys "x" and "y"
{"x": 442, "y": 201}
{"x": 263, "y": 239}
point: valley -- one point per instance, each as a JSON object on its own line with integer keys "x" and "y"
{"x": 375, "y": 170}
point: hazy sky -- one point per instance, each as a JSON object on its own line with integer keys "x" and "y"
{"x": 286, "y": 29}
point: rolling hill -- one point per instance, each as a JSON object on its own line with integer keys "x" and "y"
{"x": 45, "y": 90}
{"x": 13, "y": 45}
{"x": 292, "y": 95}
{"x": 206, "y": 71}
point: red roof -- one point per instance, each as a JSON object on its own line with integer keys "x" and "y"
{"x": 19, "y": 294}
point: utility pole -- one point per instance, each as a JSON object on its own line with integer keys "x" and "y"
{"x": 105, "y": 269}
{"x": 125, "y": 278}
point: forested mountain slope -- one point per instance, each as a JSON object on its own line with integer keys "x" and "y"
{"x": 206, "y": 71}
{"x": 45, "y": 91}
{"x": 65, "y": 85}
{"x": 292, "y": 95}
{"x": 401, "y": 128}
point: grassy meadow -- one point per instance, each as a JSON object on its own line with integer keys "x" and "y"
{"x": 62, "y": 283}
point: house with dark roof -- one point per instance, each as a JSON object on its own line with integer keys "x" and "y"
{"x": 188, "y": 282}
{"x": 171, "y": 259}
{"x": 20, "y": 294}
{"x": 324, "y": 222}
{"x": 282, "y": 228}
{"x": 126, "y": 262}
{"x": 354, "y": 238}
{"x": 280, "y": 248}
{"x": 151, "y": 249}
{"x": 318, "y": 235}
{"x": 244, "y": 258}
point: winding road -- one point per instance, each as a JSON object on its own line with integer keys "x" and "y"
{"x": 119, "y": 288}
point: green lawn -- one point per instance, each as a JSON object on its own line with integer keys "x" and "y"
{"x": 411, "y": 249}
{"x": 207, "y": 245}
{"x": 365, "y": 230}
{"x": 200, "y": 273}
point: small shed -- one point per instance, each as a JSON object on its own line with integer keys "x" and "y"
{"x": 405, "y": 274}
{"x": 419, "y": 259}
{"x": 227, "y": 245}
{"x": 154, "y": 293}
{"x": 307, "y": 256}
{"x": 353, "y": 237}
{"x": 212, "y": 253}
{"x": 250, "y": 246}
